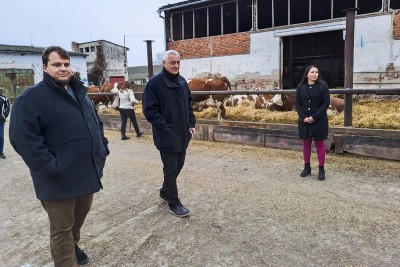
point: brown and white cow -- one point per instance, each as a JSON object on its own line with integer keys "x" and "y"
{"x": 336, "y": 106}
{"x": 106, "y": 88}
{"x": 215, "y": 84}
{"x": 278, "y": 102}
{"x": 237, "y": 100}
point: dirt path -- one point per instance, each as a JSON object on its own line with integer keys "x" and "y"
{"x": 249, "y": 208}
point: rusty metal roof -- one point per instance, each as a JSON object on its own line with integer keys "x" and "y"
{"x": 29, "y": 50}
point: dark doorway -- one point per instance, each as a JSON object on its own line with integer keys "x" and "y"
{"x": 325, "y": 50}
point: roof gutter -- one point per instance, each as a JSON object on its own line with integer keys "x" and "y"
{"x": 183, "y": 5}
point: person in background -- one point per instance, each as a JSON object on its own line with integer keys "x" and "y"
{"x": 312, "y": 102}
{"x": 126, "y": 109}
{"x": 59, "y": 135}
{"x": 4, "y": 111}
{"x": 167, "y": 105}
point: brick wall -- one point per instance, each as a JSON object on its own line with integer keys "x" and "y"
{"x": 396, "y": 25}
{"x": 223, "y": 45}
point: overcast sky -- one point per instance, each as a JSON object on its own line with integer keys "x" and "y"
{"x": 47, "y": 22}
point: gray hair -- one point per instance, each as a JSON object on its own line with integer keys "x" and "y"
{"x": 169, "y": 52}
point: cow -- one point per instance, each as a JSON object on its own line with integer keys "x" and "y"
{"x": 336, "y": 105}
{"x": 215, "y": 84}
{"x": 237, "y": 100}
{"x": 106, "y": 88}
{"x": 278, "y": 102}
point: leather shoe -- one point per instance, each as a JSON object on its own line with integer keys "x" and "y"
{"x": 179, "y": 210}
{"x": 139, "y": 134}
{"x": 3, "y": 156}
{"x": 125, "y": 138}
{"x": 81, "y": 256}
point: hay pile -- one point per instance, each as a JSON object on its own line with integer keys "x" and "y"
{"x": 367, "y": 113}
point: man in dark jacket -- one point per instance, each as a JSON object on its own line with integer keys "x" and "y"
{"x": 56, "y": 130}
{"x": 4, "y": 111}
{"x": 167, "y": 105}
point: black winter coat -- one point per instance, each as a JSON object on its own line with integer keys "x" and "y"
{"x": 314, "y": 105}
{"x": 167, "y": 105}
{"x": 60, "y": 139}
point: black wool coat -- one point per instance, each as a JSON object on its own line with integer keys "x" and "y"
{"x": 60, "y": 139}
{"x": 315, "y": 105}
{"x": 167, "y": 105}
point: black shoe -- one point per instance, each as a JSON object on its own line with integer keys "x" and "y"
{"x": 321, "y": 173}
{"x": 125, "y": 138}
{"x": 81, "y": 256}
{"x": 163, "y": 198}
{"x": 2, "y": 156}
{"x": 179, "y": 210}
{"x": 139, "y": 134}
{"x": 306, "y": 171}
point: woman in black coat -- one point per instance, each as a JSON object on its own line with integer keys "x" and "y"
{"x": 312, "y": 101}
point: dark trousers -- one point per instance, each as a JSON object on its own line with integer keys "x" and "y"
{"x": 1, "y": 137}
{"x": 173, "y": 164}
{"x": 125, "y": 114}
{"x": 66, "y": 219}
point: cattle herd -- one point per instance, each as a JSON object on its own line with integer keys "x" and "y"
{"x": 277, "y": 102}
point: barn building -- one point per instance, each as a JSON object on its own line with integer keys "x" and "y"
{"x": 115, "y": 58}
{"x": 21, "y": 67}
{"x": 268, "y": 43}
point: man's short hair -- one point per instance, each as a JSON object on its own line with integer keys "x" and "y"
{"x": 59, "y": 50}
{"x": 169, "y": 52}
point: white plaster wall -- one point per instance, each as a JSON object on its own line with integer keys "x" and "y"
{"x": 34, "y": 62}
{"x": 263, "y": 59}
{"x": 115, "y": 60}
{"x": 374, "y": 46}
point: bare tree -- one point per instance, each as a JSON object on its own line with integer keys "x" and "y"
{"x": 96, "y": 75}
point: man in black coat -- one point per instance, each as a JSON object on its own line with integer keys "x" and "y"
{"x": 167, "y": 105}
{"x": 56, "y": 130}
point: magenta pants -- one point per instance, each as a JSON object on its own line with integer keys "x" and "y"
{"x": 320, "y": 146}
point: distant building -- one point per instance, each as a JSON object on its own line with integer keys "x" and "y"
{"x": 114, "y": 55}
{"x": 139, "y": 74}
{"x": 21, "y": 67}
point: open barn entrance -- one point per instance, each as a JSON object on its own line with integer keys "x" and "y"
{"x": 324, "y": 49}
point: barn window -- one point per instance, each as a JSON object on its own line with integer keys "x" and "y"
{"x": 188, "y": 25}
{"x": 86, "y": 49}
{"x": 177, "y": 26}
{"x": 369, "y": 6}
{"x": 200, "y": 23}
{"x": 264, "y": 14}
{"x": 340, "y": 5}
{"x": 92, "y": 49}
{"x": 81, "y": 50}
{"x": 214, "y": 15}
{"x": 245, "y": 15}
{"x": 299, "y": 11}
{"x": 229, "y": 18}
{"x": 320, "y": 9}
{"x": 394, "y": 4}
{"x": 281, "y": 12}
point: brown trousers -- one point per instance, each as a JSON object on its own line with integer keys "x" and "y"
{"x": 66, "y": 219}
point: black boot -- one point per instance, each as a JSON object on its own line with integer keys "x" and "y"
{"x": 123, "y": 136}
{"x": 321, "y": 173}
{"x": 306, "y": 171}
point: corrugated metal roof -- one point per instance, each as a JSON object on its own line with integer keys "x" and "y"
{"x": 180, "y": 4}
{"x": 29, "y": 49}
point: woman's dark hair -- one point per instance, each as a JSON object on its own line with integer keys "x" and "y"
{"x": 305, "y": 79}
{"x": 59, "y": 50}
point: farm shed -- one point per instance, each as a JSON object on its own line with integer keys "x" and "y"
{"x": 21, "y": 67}
{"x": 268, "y": 43}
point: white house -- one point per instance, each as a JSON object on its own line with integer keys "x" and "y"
{"x": 21, "y": 67}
